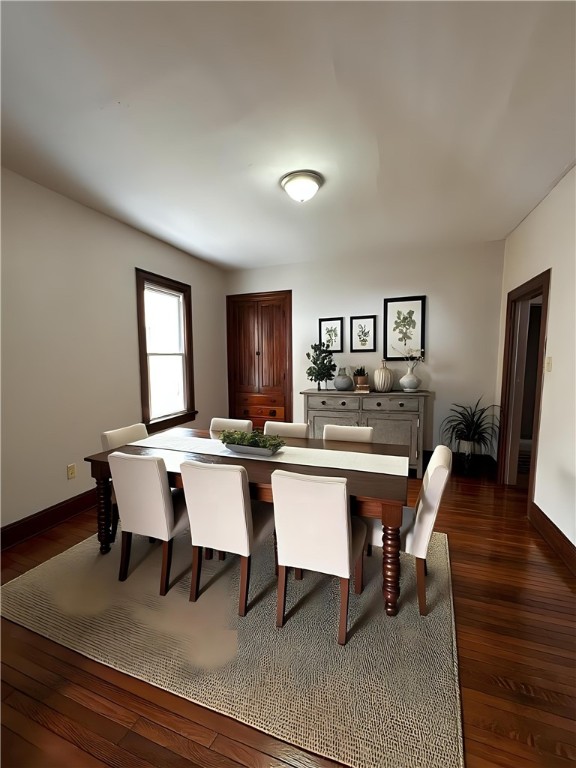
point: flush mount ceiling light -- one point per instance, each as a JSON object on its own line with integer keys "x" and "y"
{"x": 301, "y": 185}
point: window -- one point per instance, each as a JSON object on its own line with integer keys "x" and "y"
{"x": 165, "y": 342}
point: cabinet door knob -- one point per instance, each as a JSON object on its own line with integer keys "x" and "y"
{"x": 272, "y": 412}
{"x": 343, "y": 402}
{"x": 378, "y": 404}
{"x": 400, "y": 405}
{"x": 323, "y": 402}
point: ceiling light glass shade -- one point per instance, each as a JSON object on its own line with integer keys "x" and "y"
{"x": 301, "y": 185}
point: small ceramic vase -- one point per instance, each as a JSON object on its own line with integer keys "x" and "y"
{"x": 343, "y": 382}
{"x": 409, "y": 382}
{"x": 383, "y": 378}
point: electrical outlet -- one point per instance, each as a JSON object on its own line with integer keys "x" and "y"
{"x": 71, "y": 471}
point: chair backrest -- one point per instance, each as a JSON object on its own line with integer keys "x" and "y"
{"x": 352, "y": 434}
{"x": 114, "y": 438}
{"x": 286, "y": 429}
{"x": 142, "y": 494}
{"x": 428, "y": 502}
{"x": 217, "y": 425}
{"x": 218, "y": 502}
{"x": 312, "y": 520}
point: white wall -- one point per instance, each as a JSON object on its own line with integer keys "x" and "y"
{"x": 462, "y": 287}
{"x": 546, "y": 240}
{"x": 69, "y": 338}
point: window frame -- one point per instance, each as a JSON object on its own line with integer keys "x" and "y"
{"x": 164, "y": 283}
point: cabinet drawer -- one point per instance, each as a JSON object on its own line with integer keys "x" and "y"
{"x": 395, "y": 404}
{"x": 273, "y": 400}
{"x": 250, "y": 411}
{"x": 343, "y": 403}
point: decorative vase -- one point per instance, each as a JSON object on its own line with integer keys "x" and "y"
{"x": 409, "y": 382}
{"x": 383, "y": 378}
{"x": 343, "y": 382}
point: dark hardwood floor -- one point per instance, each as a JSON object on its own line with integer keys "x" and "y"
{"x": 514, "y": 605}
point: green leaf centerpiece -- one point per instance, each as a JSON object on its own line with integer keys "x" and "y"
{"x": 251, "y": 442}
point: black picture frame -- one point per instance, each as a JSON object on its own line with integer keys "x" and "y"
{"x": 363, "y": 333}
{"x": 411, "y": 334}
{"x": 330, "y": 330}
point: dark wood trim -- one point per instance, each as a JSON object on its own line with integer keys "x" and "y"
{"x": 534, "y": 287}
{"x": 142, "y": 277}
{"x": 171, "y": 421}
{"x": 553, "y": 536}
{"x": 20, "y": 530}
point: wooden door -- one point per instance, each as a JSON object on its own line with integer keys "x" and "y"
{"x": 260, "y": 356}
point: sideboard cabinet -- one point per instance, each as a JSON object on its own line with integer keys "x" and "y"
{"x": 397, "y": 417}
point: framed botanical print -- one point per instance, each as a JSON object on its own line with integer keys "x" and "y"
{"x": 404, "y": 327}
{"x": 363, "y": 333}
{"x": 331, "y": 332}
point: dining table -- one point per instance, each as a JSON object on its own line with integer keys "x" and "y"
{"x": 376, "y": 475}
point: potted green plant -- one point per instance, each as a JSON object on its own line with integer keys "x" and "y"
{"x": 470, "y": 429}
{"x": 360, "y": 376}
{"x": 323, "y": 365}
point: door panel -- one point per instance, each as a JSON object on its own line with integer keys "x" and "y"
{"x": 318, "y": 421}
{"x": 243, "y": 360}
{"x": 399, "y": 429}
{"x": 272, "y": 347}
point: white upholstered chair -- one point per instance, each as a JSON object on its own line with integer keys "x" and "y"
{"x": 418, "y": 521}
{"x": 217, "y": 425}
{"x": 305, "y": 507}
{"x": 352, "y": 434}
{"x": 356, "y": 435}
{"x": 147, "y": 506}
{"x": 222, "y": 517}
{"x": 115, "y": 438}
{"x": 286, "y": 429}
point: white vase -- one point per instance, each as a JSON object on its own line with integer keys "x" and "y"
{"x": 409, "y": 382}
{"x": 383, "y": 378}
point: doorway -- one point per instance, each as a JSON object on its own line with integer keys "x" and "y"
{"x": 524, "y": 353}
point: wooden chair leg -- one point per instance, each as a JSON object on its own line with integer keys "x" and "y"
{"x": 281, "y": 607}
{"x": 369, "y": 549}
{"x": 425, "y": 568}
{"x": 244, "y": 584}
{"x": 115, "y": 520}
{"x": 167, "y": 547}
{"x": 359, "y": 575}
{"x": 298, "y": 574}
{"x": 344, "y": 597}
{"x": 196, "y": 571}
{"x": 421, "y": 584}
{"x": 208, "y": 554}
{"x": 125, "y": 555}
{"x": 221, "y": 555}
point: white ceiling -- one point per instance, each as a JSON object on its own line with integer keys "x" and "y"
{"x": 432, "y": 122}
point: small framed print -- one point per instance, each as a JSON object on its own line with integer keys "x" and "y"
{"x": 363, "y": 333}
{"x": 331, "y": 332}
{"x": 404, "y": 327}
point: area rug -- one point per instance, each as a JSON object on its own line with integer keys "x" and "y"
{"x": 389, "y": 697}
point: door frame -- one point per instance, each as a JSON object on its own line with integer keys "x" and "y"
{"x": 539, "y": 285}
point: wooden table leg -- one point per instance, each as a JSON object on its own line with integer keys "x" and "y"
{"x": 104, "y": 492}
{"x": 391, "y": 569}
{"x": 391, "y": 521}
